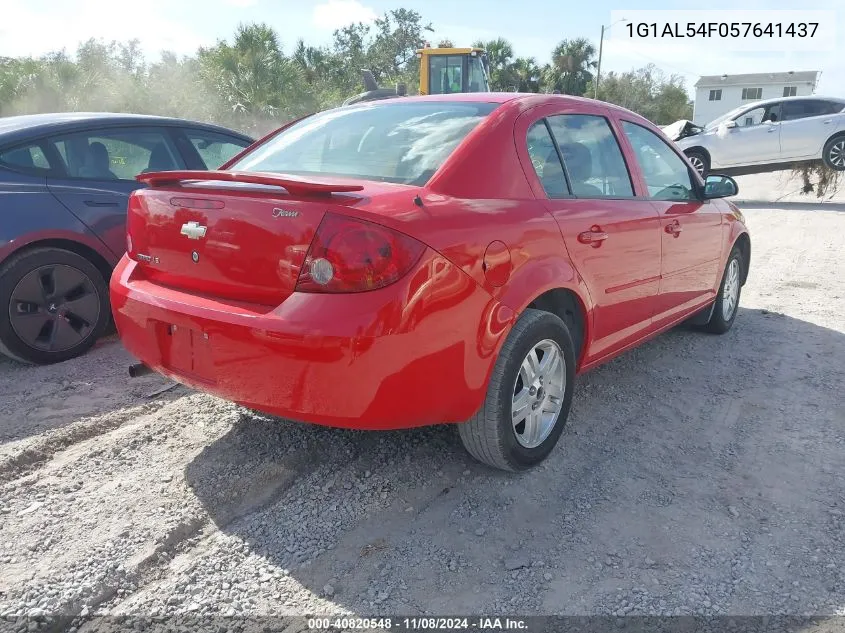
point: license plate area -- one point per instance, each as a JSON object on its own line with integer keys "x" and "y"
{"x": 185, "y": 351}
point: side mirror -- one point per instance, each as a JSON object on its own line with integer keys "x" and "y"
{"x": 720, "y": 187}
{"x": 730, "y": 125}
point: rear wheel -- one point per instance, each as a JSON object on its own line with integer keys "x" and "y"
{"x": 528, "y": 397}
{"x": 834, "y": 153}
{"x": 56, "y": 304}
{"x": 699, "y": 160}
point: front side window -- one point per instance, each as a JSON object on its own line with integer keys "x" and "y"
{"x": 666, "y": 174}
{"x": 446, "y": 74}
{"x": 390, "y": 142}
{"x": 29, "y": 158}
{"x": 756, "y": 116}
{"x": 546, "y": 161}
{"x": 116, "y": 154}
{"x": 214, "y": 149}
{"x": 591, "y": 155}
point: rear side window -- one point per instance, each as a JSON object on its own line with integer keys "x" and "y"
{"x": 29, "y": 158}
{"x": 592, "y": 156}
{"x": 833, "y": 107}
{"x": 546, "y": 161}
{"x": 214, "y": 149}
{"x": 117, "y": 154}
{"x": 390, "y": 142}
{"x": 793, "y": 110}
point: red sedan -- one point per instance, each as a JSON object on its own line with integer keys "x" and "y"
{"x": 452, "y": 258}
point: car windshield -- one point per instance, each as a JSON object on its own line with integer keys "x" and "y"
{"x": 402, "y": 142}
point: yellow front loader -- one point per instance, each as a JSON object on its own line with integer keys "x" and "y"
{"x": 442, "y": 71}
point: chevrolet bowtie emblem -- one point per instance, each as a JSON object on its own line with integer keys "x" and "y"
{"x": 193, "y": 230}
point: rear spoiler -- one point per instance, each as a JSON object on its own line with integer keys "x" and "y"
{"x": 295, "y": 185}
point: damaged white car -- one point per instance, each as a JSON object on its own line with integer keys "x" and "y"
{"x": 768, "y": 132}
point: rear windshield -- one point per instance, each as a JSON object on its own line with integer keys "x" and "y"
{"x": 391, "y": 142}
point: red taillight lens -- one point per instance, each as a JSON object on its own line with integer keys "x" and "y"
{"x": 351, "y": 255}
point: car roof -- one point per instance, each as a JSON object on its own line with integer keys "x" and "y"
{"x": 25, "y": 126}
{"x": 764, "y": 102}
{"x": 525, "y": 99}
{"x": 488, "y": 97}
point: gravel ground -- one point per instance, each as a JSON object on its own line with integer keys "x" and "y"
{"x": 698, "y": 475}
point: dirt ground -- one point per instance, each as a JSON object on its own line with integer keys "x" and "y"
{"x": 697, "y": 474}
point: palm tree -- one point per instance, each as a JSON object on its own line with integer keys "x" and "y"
{"x": 253, "y": 74}
{"x": 527, "y": 73}
{"x": 312, "y": 61}
{"x": 572, "y": 63}
{"x": 500, "y": 62}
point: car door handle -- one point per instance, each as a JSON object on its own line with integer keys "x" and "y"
{"x": 828, "y": 122}
{"x": 772, "y": 129}
{"x": 594, "y": 237}
{"x": 100, "y": 203}
{"x": 674, "y": 228}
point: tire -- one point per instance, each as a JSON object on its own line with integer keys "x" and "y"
{"x": 54, "y": 305}
{"x": 490, "y": 436}
{"x": 700, "y": 161}
{"x": 834, "y": 153}
{"x": 723, "y": 318}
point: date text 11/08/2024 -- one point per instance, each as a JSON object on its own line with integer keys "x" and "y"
{"x": 418, "y": 624}
{"x": 722, "y": 29}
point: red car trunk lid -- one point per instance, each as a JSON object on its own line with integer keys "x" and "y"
{"x": 236, "y": 236}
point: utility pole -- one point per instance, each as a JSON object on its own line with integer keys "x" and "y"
{"x": 598, "y": 70}
{"x": 601, "y": 45}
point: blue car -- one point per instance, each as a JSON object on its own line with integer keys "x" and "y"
{"x": 65, "y": 180}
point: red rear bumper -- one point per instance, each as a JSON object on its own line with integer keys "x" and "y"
{"x": 417, "y": 352}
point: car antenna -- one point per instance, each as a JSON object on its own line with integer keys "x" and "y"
{"x": 418, "y": 201}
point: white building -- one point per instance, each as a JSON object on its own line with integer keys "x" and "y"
{"x": 717, "y": 94}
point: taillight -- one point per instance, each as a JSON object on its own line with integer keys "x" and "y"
{"x": 134, "y": 208}
{"x": 351, "y": 255}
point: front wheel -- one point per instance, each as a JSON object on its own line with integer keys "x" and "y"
{"x": 55, "y": 305}
{"x": 528, "y": 397}
{"x": 700, "y": 161}
{"x": 834, "y": 153}
{"x": 727, "y": 302}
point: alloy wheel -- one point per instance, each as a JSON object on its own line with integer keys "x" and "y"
{"x": 697, "y": 163}
{"x": 730, "y": 291}
{"x": 836, "y": 154}
{"x": 538, "y": 393}
{"x": 54, "y": 308}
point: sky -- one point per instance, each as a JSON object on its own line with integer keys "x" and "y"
{"x": 534, "y": 27}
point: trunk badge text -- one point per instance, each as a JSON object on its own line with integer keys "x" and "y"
{"x": 284, "y": 213}
{"x": 147, "y": 258}
{"x": 193, "y": 230}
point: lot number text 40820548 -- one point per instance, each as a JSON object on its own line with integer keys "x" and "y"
{"x": 721, "y": 29}
{"x": 418, "y": 624}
